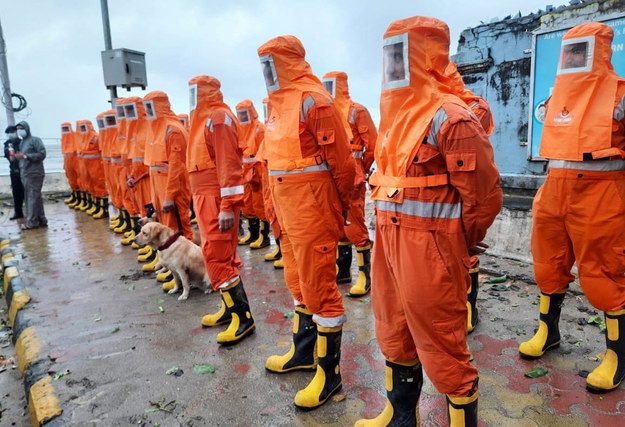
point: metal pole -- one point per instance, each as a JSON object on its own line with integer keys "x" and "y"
{"x": 108, "y": 43}
{"x": 6, "y": 84}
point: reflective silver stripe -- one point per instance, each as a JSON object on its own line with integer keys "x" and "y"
{"x": 250, "y": 160}
{"x": 308, "y": 103}
{"x": 137, "y": 159}
{"x": 357, "y": 154}
{"x": 108, "y": 159}
{"x": 329, "y": 322}
{"x": 116, "y": 159}
{"x": 352, "y": 116}
{"x": 91, "y": 156}
{"x": 422, "y": 209}
{"x": 69, "y": 154}
{"x": 593, "y": 165}
{"x": 619, "y": 111}
{"x": 159, "y": 168}
{"x": 231, "y": 191}
{"x": 314, "y": 168}
{"x": 209, "y": 123}
{"x": 227, "y": 121}
{"x": 437, "y": 122}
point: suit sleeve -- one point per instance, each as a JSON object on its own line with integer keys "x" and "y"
{"x": 324, "y": 122}
{"x": 472, "y": 171}
{"x": 225, "y": 141}
{"x": 369, "y": 135}
{"x": 176, "y": 155}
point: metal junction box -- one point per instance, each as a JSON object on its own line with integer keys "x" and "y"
{"x": 125, "y": 68}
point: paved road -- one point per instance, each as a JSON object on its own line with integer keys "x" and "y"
{"x": 101, "y": 320}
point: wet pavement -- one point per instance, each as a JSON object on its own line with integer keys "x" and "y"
{"x": 114, "y": 335}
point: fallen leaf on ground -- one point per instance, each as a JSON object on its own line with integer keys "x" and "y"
{"x": 338, "y": 397}
{"x": 203, "y": 369}
{"x": 289, "y": 314}
{"x": 59, "y": 375}
{"x": 499, "y": 279}
{"x": 115, "y": 330}
{"x": 597, "y": 320}
{"x": 537, "y": 372}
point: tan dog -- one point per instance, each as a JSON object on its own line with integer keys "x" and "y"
{"x": 176, "y": 253}
{"x": 197, "y": 239}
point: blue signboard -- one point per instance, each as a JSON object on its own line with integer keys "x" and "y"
{"x": 545, "y": 64}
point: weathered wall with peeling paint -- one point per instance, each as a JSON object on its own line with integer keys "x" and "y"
{"x": 495, "y": 61}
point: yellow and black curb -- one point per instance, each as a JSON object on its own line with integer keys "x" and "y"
{"x": 43, "y": 405}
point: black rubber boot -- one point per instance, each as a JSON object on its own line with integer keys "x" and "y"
{"x": 263, "y": 238}
{"x": 301, "y": 355}
{"x": 611, "y": 372}
{"x": 462, "y": 411}
{"x": 242, "y": 324}
{"x": 547, "y": 336}
{"x": 344, "y": 263}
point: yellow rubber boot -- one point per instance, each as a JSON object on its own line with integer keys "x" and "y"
{"x": 124, "y": 223}
{"x": 472, "y": 313}
{"x": 462, "y": 411}
{"x": 263, "y": 237}
{"x": 88, "y": 202}
{"x": 115, "y": 221}
{"x": 276, "y": 254}
{"x": 165, "y": 276}
{"x": 169, "y": 285}
{"x": 242, "y": 323}
{"x": 128, "y": 239}
{"x": 611, "y": 372}
{"x": 94, "y": 206}
{"x": 547, "y": 336}
{"x": 403, "y": 388}
{"x": 71, "y": 199}
{"x": 103, "y": 209}
{"x": 77, "y": 200}
{"x": 253, "y": 231}
{"x": 327, "y": 380}
{"x": 220, "y": 317}
{"x": 279, "y": 263}
{"x": 145, "y": 250}
{"x": 363, "y": 283}
{"x": 344, "y": 262}
{"x": 148, "y": 256}
{"x": 82, "y": 202}
{"x": 301, "y": 355}
{"x": 151, "y": 266}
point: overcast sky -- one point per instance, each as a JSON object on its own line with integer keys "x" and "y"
{"x": 54, "y": 46}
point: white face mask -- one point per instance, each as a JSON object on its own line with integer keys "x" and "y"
{"x": 11, "y": 135}
{"x": 21, "y": 133}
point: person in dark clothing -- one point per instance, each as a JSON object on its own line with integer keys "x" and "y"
{"x": 31, "y": 155}
{"x": 11, "y": 146}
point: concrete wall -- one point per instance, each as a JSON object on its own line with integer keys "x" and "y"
{"x": 495, "y": 61}
{"x": 54, "y": 183}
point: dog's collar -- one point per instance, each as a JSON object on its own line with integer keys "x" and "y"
{"x": 170, "y": 241}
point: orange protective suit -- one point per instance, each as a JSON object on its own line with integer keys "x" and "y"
{"x": 184, "y": 119}
{"x": 139, "y": 134}
{"x": 165, "y": 155}
{"x": 311, "y": 174}
{"x": 120, "y": 164}
{"x": 110, "y": 126}
{"x": 477, "y": 104}
{"x": 364, "y": 134}
{"x": 579, "y": 212}
{"x": 92, "y": 171}
{"x": 70, "y": 159}
{"x": 251, "y": 134}
{"x": 436, "y": 191}
{"x": 216, "y": 176}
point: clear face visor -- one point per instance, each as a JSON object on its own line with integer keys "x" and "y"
{"x": 269, "y": 73}
{"x": 244, "y": 116}
{"x": 266, "y": 111}
{"x": 130, "y": 111}
{"x": 100, "y": 123}
{"x": 576, "y": 55}
{"x": 396, "y": 70}
{"x": 192, "y": 97}
{"x": 330, "y": 85}
{"x": 83, "y": 128}
{"x": 149, "y": 109}
{"x": 119, "y": 111}
{"x": 65, "y": 129}
{"x": 110, "y": 121}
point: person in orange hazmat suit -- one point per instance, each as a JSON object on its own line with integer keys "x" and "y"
{"x": 311, "y": 173}
{"x": 436, "y": 191}
{"x": 579, "y": 212}
{"x": 251, "y": 134}
{"x": 165, "y": 155}
{"x": 216, "y": 175}
{"x": 68, "y": 149}
{"x": 482, "y": 112}
{"x": 110, "y": 127}
{"x": 91, "y": 170}
{"x": 363, "y": 136}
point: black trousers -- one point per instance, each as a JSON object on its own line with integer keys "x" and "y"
{"x": 18, "y": 193}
